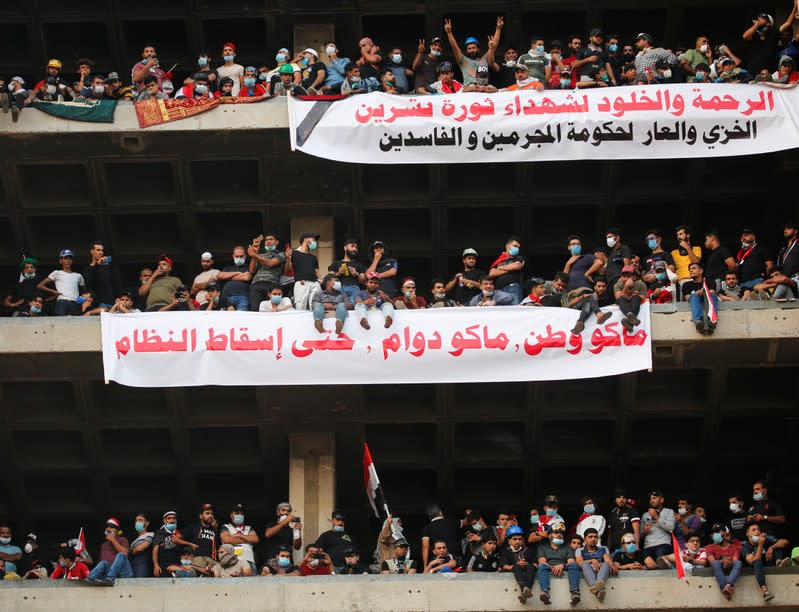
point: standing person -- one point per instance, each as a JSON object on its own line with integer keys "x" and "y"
{"x": 285, "y": 531}
{"x": 265, "y": 266}
{"x": 208, "y": 275}
{"x": 685, "y": 253}
{"x": 148, "y": 66}
{"x": 439, "y": 528}
{"x": 473, "y": 65}
{"x": 160, "y": 287}
{"x": 141, "y": 560}
{"x": 466, "y": 283}
{"x": 424, "y": 66}
{"x": 68, "y": 285}
{"x": 595, "y": 562}
{"x": 621, "y": 520}
{"x": 98, "y": 276}
{"x": 348, "y": 270}
{"x": 306, "y": 270}
{"x": 385, "y": 267}
{"x": 230, "y": 68}
{"x": 619, "y": 256}
{"x": 241, "y": 536}
{"x": 203, "y": 537}
{"x": 336, "y": 540}
{"x": 581, "y": 267}
{"x": 167, "y": 544}
{"x": 17, "y": 299}
{"x": 767, "y": 513}
{"x": 507, "y": 270}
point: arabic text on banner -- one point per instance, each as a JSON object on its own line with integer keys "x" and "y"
{"x": 431, "y": 346}
{"x": 662, "y": 121}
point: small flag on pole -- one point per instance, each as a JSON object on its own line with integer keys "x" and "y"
{"x": 80, "y": 545}
{"x": 678, "y": 564}
{"x": 712, "y": 315}
{"x": 370, "y": 479}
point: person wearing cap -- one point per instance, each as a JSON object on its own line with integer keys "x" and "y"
{"x": 150, "y": 90}
{"x": 728, "y": 72}
{"x": 537, "y": 61}
{"x": 593, "y": 57}
{"x": 314, "y": 72}
{"x": 252, "y": 88}
{"x": 335, "y": 69}
{"x": 629, "y": 555}
{"x": 285, "y": 531}
{"x": 384, "y": 266}
{"x": 336, "y": 540}
{"x": 555, "y": 558}
{"x": 66, "y": 286}
{"x": 161, "y": 286}
{"x": 348, "y": 270}
{"x": 523, "y": 80}
{"x": 148, "y": 66}
{"x": 167, "y": 543}
{"x": 114, "y": 88}
{"x": 52, "y": 71}
{"x": 438, "y": 295}
{"x": 425, "y": 65}
{"x": 240, "y": 536}
{"x": 230, "y": 68}
{"x": 724, "y": 556}
{"x": 225, "y": 88}
{"x": 446, "y": 83}
{"x": 400, "y": 563}
{"x": 273, "y": 76}
{"x": 113, "y": 562}
{"x": 661, "y": 289}
{"x": 306, "y": 270}
{"x": 208, "y": 275}
{"x": 595, "y": 562}
{"x": 466, "y": 283}
{"x": 786, "y": 72}
{"x": 473, "y": 65}
{"x": 352, "y": 563}
{"x": 390, "y": 532}
{"x": 658, "y": 523}
{"x": 630, "y": 292}
{"x": 408, "y": 299}
{"x": 764, "y": 40}
{"x": 647, "y": 57}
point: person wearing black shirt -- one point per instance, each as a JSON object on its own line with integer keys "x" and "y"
{"x": 286, "y": 532}
{"x": 507, "y": 270}
{"x": 439, "y": 528}
{"x": 386, "y": 267}
{"x": 335, "y": 541}
{"x": 350, "y": 272}
{"x": 466, "y": 283}
{"x": 306, "y": 270}
{"x": 718, "y": 259}
{"x": 520, "y": 559}
{"x": 19, "y": 296}
{"x": 753, "y": 260}
{"x": 767, "y": 513}
{"x": 788, "y": 257}
{"x": 314, "y": 72}
{"x": 98, "y": 277}
{"x": 203, "y": 537}
{"x": 736, "y": 519}
{"x": 372, "y": 60}
{"x": 693, "y": 291}
{"x": 352, "y": 563}
{"x": 236, "y": 279}
{"x": 167, "y": 544}
{"x": 619, "y": 256}
{"x": 486, "y": 559}
{"x": 623, "y": 519}
{"x": 763, "y": 40}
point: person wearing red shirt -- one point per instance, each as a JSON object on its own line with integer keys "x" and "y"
{"x": 68, "y": 568}
{"x": 252, "y": 88}
{"x": 316, "y": 562}
{"x": 724, "y": 556}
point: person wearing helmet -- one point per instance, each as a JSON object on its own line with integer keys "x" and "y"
{"x": 446, "y": 83}
{"x": 473, "y": 64}
{"x": 518, "y": 558}
{"x": 286, "y": 84}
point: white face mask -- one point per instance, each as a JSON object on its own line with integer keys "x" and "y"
{"x": 330, "y": 50}
{"x": 99, "y": 89}
{"x": 28, "y": 548}
{"x": 703, "y": 49}
{"x": 488, "y": 292}
{"x": 510, "y": 64}
{"x": 735, "y": 508}
{"x": 667, "y": 73}
{"x": 282, "y": 518}
{"x": 611, "y": 241}
{"x": 239, "y": 261}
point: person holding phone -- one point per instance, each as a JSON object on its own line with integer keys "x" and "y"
{"x": 316, "y": 562}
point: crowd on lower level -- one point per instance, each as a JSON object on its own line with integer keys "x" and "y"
{"x": 268, "y": 278}
{"x": 537, "y": 545}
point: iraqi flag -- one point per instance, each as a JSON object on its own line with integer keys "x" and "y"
{"x": 80, "y": 545}
{"x": 370, "y": 480}
{"x": 712, "y": 315}
{"x": 678, "y": 564}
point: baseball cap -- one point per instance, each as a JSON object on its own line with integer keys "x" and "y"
{"x": 628, "y": 269}
{"x": 747, "y": 230}
{"x": 212, "y": 287}
{"x": 719, "y": 527}
{"x": 656, "y": 493}
{"x": 237, "y": 508}
{"x": 786, "y": 59}
{"x": 371, "y": 275}
{"x": 207, "y": 256}
{"x": 550, "y": 500}
{"x": 645, "y": 36}
{"x": 535, "y": 281}
{"x": 469, "y": 251}
{"x": 400, "y": 542}
{"x": 165, "y": 258}
{"x": 350, "y": 552}
{"x": 67, "y": 253}
{"x": 445, "y": 67}
{"x": 378, "y": 243}
{"x": 337, "y": 514}
{"x": 112, "y": 521}
{"x": 351, "y": 241}
{"x": 204, "y": 507}
{"x": 112, "y": 76}
{"x": 314, "y": 52}
{"x": 556, "y": 43}
{"x": 54, "y": 63}
{"x": 596, "y": 32}
{"x": 660, "y": 265}
{"x": 434, "y": 40}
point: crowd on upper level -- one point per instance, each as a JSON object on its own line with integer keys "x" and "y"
{"x": 536, "y": 545}
{"x": 766, "y": 52}
{"x": 265, "y": 277}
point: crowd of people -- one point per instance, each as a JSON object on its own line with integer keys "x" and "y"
{"x": 536, "y": 545}
{"x": 267, "y": 278}
{"x": 601, "y": 59}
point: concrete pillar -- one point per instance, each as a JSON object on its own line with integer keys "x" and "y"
{"x": 313, "y": 35}
{"x": 324, "y": 226}
{"x": 312, "y": 481}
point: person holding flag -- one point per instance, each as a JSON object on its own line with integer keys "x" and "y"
{"x": 704, "y": 310}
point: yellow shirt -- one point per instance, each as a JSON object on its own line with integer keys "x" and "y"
{"x": 681, "y": 262}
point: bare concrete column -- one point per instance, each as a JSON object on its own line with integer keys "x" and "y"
{"x": 312, "y": 480}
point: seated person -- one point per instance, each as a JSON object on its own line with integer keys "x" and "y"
{"x": 276, "y": 302}
{"x": 225, "y": 88}
{"x": 281, "y": 565}
{"x": 409, "y": 299}
{"x": 401, "y": 563}
{"x": 489, "y": 296}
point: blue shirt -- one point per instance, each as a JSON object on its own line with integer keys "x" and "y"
{"x": 10, "y": 549}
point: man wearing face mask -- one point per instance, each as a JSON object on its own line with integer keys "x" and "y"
{"x": 503, "y": 75}
{"x": 284, "y": 532}
{"x": 335, "y": 69}
{"x": 240, "y": 535}
{"x": 538, "y": 61}
{"x": 736, "y": 519}
{"x": 336, "y": 540}
{"x": 476, "y": 527}
{"x": 265, "y": 266}
{"x": 95, "y": 90}
{"x": 724, "y": 557}
{"x": 581, "y": 267}
{"x": 438, "y": 295}
{"x": 761, "y": 549}
{"x": 230, "y": 68}
{"x": 613, "y": 53}
{"x": 204, "y": 66}
{"x": 306, "y": 270}
{"x": 198, "y": 88}
{"x": 314, "y": 72}
{"x": 654, "y": 242}
{"x": 236, "y": 282}
{"x": 629, "y": 557}
{"x": 507, "y": 269}
{"x": 763, "y": 41}
{"x": 281, "y": 565}
{"x": 17, "y": 298}
{"x": 693, "y": 58}
{"x": 425, "y": 66}
{"x": 113, "y": 562}
{"x": 167, "y": 544}
{"x": 140, "y": 549}
{"x": 767, "y": 513}
{"x": 555, "y": 558}
{"x": 330, "y": 299}
{"x": 753, "y": 259}
{"x": 648, "y": 56}
{"x": 619, "y": 255}
{"x": 661, "y": 74}
{"x": 408, "y": 299}
{"x": 9, "y": 553}
{"x": 400, "y": 71}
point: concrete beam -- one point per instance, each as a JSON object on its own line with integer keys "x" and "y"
{"x": 653, "y": 590}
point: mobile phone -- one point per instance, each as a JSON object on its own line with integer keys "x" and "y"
{"x": 319, "y": 556}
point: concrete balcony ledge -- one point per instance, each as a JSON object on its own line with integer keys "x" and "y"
{"x": 653, "y": 590}
{"x": 267, "y": 115}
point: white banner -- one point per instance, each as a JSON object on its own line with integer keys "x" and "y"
{"x": 636, "y": 122}
{"x": 440, "y": 345}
